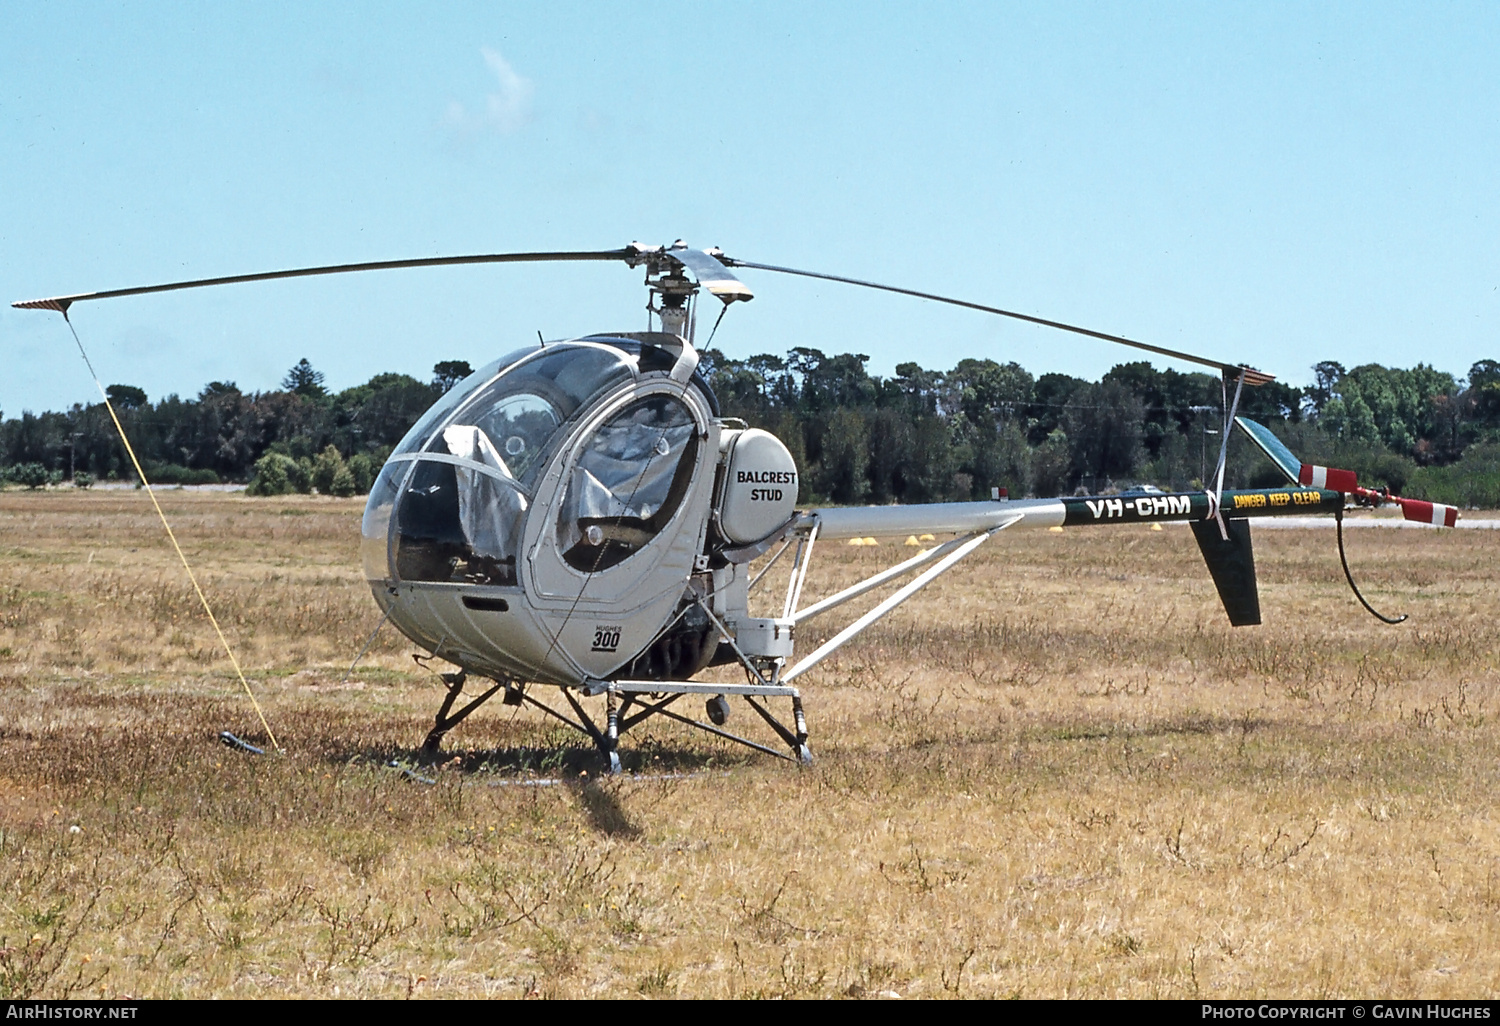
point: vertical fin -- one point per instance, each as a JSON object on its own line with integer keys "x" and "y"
{"x": 1273, "y": 447}
{"x": 1231, "y": 561}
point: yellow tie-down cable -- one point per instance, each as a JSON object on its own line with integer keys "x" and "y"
{"x": 130, "y": 449}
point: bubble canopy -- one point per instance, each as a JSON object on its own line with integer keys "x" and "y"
{"x": 450, "y": 504}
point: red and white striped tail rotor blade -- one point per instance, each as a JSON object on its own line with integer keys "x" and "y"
{"x": 1314, "y": 476}
{"x": 1434, "y": 513}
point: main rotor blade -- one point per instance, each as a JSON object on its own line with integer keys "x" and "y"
{"x": 629, "y": 254}
{"x": 711, "y": 274}
{"x": 1252, "y": 376}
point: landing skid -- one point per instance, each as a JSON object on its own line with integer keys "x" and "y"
{"x": 631, "y": 702}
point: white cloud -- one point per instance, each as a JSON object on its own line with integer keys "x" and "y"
{"x": 505, "y": 110}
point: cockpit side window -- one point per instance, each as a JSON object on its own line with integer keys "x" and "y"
{"x": 627, "y": 483}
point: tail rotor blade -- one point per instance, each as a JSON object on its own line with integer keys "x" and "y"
{"x": 1314, "y": 476}
{"x": 1423, "y": 512}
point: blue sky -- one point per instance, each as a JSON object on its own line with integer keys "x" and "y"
{"x": 1272, "y": 183}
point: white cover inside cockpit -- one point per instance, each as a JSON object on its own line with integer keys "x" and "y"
{"x": 489, "y": 510}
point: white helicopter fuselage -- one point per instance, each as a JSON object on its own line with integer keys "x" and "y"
{"x": 552, "y": 517}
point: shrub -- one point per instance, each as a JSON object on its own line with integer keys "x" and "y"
{"x": 343, "y": 482}
{"x": 83, "y": 479}
{"x": 32, "y": 475}
{"x": 326, "y": 468}
{"x": 362, "y": 468}
{"x": 1472, "y": 482}
{"x": 273, "y": 473}
{"x": 176, "y": 474}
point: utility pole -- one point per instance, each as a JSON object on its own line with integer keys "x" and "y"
{"x": 1203, "y": 412}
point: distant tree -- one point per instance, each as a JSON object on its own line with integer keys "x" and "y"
{"x": 986, "y": 392}
{"x": 890, "y": 441}
{"x": 1325, "y": 387}
{"x": 918, "y": 388}
{"x": 447, "y": 373}
{"x": 1398, "y": 407}
{"x": 299, "y": 472}
{"x": 126, "y": 397}
{"x": 221, "y": 432}
{"x": 1001, "y": 458}
{"x": 744, "y": 387}
{"x": 343, "y": 484}
{"x": 1484, "y": 387}
{"x": 1104, "y": 425}
{"x": 843, "y": 474}
{"x": 831, "y": 382}
{"x": 932, "y": 467}
{"x": 1049, "y": 464}
{"x": 304, "y": 381}
{"x": 1049, "y": 399}
{"x": 386, "y": 407}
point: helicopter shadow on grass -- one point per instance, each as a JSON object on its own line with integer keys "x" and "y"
{"x": 578, "y": 768}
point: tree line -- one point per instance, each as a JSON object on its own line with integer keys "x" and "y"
{"x": 922, "y": 436}
{"x": 916, "y": 436}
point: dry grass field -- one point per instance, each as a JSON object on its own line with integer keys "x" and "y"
{"x": 1056, "y": 773}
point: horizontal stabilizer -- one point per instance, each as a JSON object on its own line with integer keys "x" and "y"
{"x": 1231, "y": 561}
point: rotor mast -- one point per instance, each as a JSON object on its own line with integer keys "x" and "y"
{"x": 672, "y": 293}
{"x": 675, "y": 273}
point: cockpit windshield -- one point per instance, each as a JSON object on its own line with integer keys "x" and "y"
{"x": 520, "y": 411}
{"x": 438, "y": 413}
{"x": 479, "y": 453}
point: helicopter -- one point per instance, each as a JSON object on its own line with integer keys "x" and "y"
{"x": 578, "y": 515}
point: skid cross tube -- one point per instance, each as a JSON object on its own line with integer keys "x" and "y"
{"x": 646, "y": 711}
{"x": 726, "y": 735}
